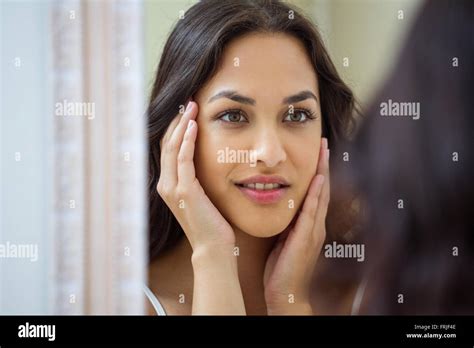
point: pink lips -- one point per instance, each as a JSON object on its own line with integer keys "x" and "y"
{"x": 264, "y": 196}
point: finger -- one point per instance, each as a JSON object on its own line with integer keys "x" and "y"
{"x": 322, "y": 157}
{"x": 177, "y": 136}
{"x": 296, "y": 244}
{"x": 315, "y": 190}
{"x": 165, "y": 176}
{"x": 169, "y": 131}
{"x": 304, "y": 224}
{"x": 170, "y": 149}
{"x": 186, "y": 170}
{"x": 323, "y": 169}
{"x": 172, "y": 126}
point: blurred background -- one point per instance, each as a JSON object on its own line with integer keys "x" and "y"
{"x": 75, "y": 78}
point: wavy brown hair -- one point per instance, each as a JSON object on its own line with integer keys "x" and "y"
{"x": 190, "y": 58}
{"x": 414, "y": 251}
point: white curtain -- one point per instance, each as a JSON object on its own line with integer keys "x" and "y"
{"x": 92, "y": 233}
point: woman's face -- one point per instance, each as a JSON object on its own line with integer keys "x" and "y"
{"x": 259, "y": 124}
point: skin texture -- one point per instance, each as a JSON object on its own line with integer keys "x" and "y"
{"x": 271, "y": 67}
{"x": 278, "y": 245}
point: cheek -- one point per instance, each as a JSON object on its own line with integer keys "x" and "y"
{"x": 210, "y": 173}
{"x": 304, "y": 150}
{"x": 304, "y": 155}
{"x": 305, "y": 158}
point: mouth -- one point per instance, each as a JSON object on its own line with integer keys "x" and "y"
{"x": 263, "y": 189}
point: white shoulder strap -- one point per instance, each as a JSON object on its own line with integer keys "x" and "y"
{"x": 154, "y": 301}
{"x": 359, "y": 297}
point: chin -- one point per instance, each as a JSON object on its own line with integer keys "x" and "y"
{"x": 256, "y": 220}
{"x": 262, "y": 226}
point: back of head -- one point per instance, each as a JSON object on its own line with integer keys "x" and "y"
{"x": 413, "y": 164}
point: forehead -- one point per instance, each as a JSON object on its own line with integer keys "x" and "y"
{"x": 264, "y": 66}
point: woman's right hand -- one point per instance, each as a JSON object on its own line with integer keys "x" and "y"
{"x": 202, "y": 223}
{"x": 216, "y": 281}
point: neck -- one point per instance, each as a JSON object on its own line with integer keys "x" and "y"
{"x": 252, "y": 257}
{"x": 251, "y": 253}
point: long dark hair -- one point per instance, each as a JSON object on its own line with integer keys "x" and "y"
{"x": 191, "y": 57}
{"x": 428, "y": 164}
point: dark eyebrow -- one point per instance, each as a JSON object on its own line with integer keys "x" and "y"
{"x": 233, "y": 96}
{"x": 303, "y": 95}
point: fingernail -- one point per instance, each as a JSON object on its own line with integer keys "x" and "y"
{"x": 327, "y": 154}
{"x": 188, "y": 107}
{"x": 190, "y": 124}
{"x": 324, "y": 143}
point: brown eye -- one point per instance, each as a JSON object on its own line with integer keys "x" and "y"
{"x": 299, "y": 116}
{"x": 233, "y": 116}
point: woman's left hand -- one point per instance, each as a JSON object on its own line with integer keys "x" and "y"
{"x": 290, "y": 265}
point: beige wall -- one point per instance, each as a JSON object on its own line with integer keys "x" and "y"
{"x": 160, "y": 17}
{"x": 368, "y": 32}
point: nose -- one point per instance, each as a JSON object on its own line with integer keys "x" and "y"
{"x": 269, "y": 147}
